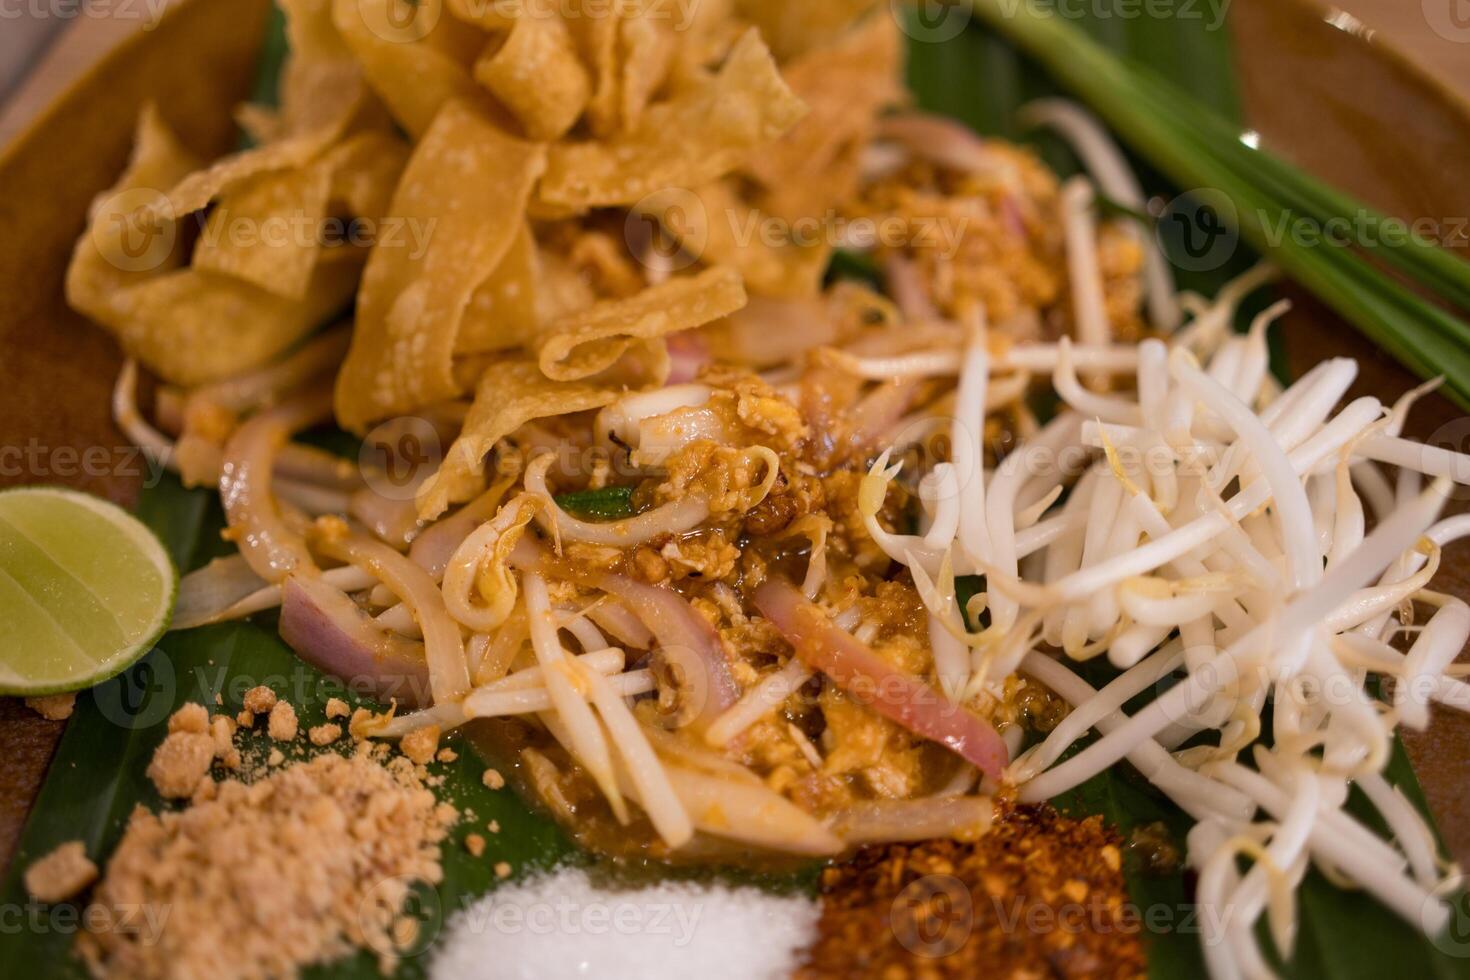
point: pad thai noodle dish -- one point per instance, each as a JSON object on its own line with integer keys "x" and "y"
{"x": 758, "y": 468}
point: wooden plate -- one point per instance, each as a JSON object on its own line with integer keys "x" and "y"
{"x": 1356, "y": 113}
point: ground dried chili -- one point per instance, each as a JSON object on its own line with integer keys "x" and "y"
{"x": 1041, "y": 895}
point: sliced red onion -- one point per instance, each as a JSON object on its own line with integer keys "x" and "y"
{"x": 769, "y": 332}
{"x": 685, "y": 639}
{"x": 449, "y": 673}
{"x": 433, "y": 548}
{"x": 938, "y": 140}
{"x": 626, "y": 628}
{"x": 907, "y": 288}
{"x": 227, "y": 589}
{"x": 897, "y": 696}
{"x": 688, "y": 355}
{"x": 394, "y": 522}
{"x": 329, "y": 631}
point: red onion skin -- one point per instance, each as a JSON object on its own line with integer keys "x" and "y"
{"x": 329, "y": 631}
{"x": 688, "y": 354}
{"x": 685, "y": 638}
{"x": 937, "y": 139}
{"x": 897, "y": 696}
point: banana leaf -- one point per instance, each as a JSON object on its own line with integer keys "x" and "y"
{"x": 97, "y": 778}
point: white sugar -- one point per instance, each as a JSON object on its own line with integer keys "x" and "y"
{"x": 564, "y": 925}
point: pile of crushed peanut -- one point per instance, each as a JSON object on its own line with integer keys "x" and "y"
{"x": 283, "y": 864}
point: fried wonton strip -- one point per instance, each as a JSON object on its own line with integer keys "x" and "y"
{"x": 490, "y": 15}
{"x": 471, "y": 181}
{"x": 503, "y": 311}
{"x": 591, "y": 341}
{"x": 562, "y": 288}
{"x": 343, "y": 99}
{"x": 536, "y": 74}
{"x": 265, "y": 231}
{"x": 323, "y": 97}
{"x": 715, "y": 224}
{"x": 510, "y": 393}
{"x": 846, "y": 84}
{"x": 415, "y": 59}
{"x": 272, "y": 230}
{"x": 365, "y": 173}
{"x": 690, "y": 140}
{"x": 793, "y": 28}
{"x": 192, "y": 327}
{"x": 646, "y": 45}
{"x": 597, "y": 37}
{"x": 188, "y": 326}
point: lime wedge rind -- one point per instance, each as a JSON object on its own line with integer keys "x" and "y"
{"x": 20, "y": 678}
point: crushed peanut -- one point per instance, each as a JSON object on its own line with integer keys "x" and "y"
{"x": 475, "y": 844}
{"x": 493, "y": 779}
{"x": 299, "y": 868}
{"x": 61, "y": 874}
{"x": 183, "y": 758}
{"x": 502, "y": 869}
{"x": 420, "y": 744}
{"x": 260, "y": 700}
{"x": 53, "y": 707}
{"x": 337, "y": 708}
{"x": 324, "y": 734}
{"x": 282, "y": 725}
{"x": 190, "y": 718}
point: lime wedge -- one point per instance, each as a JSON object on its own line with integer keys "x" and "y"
{"x": 85, "y": 590}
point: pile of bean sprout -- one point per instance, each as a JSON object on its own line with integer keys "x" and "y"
{"x": 1215, "y": 548}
